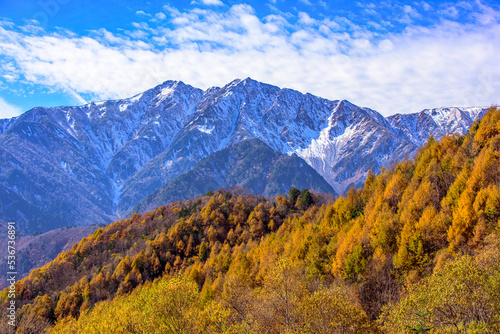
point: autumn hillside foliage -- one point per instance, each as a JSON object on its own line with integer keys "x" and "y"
{"x": 417, "y": 249}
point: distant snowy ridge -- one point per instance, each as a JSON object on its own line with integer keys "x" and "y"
{"x": 437, "y": 122}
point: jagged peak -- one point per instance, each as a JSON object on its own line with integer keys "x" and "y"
{"x": 252, "y": 83}
{"x": 233, "y": 83}
{"x": 473, "y": 112}
{"x": 248, "y": 80}
{"x": 344, "y": 107}
{"x": 429, "y": 111}
{"x": 243, "y": 82}
{"x": 171, "y": 83}
{"x": 165, "y": 88}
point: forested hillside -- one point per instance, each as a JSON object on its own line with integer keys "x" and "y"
{"x": 416, "y": 249}
{"x": 33, "y": 251}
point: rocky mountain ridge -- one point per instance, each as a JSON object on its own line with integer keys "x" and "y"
{"x": 89, "y": 164}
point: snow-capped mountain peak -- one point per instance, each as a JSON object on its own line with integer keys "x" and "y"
{"x": 438, "y": 122}
{"x": 109, "y": 155}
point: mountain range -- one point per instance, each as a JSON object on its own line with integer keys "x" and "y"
{"x": 94, "y": 163}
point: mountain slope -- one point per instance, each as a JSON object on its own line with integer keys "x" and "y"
{"x": 70, "y": 162}
{"x": 354, "y": 141}
{"x": 249, "y": 163}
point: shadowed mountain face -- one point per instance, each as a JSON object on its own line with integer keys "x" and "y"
{"x": 249, "y": 163}
{"x": 90, "y": 164}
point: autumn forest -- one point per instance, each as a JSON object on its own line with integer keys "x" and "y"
{"x": 415, "y": 250}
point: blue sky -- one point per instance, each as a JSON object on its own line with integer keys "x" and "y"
{"x": 392, "y": 56}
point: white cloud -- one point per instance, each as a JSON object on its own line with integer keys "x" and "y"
{"x": 448, "y": 64}
{"x": 8, "y": 110}
{"x": 425, "y": 6}
{"x": 160, "y": 16}
{"x": 409, "y": 13}
{"x": 450, "y": 11}
{"x": 212, "y": 2}
{"x": 304, "y": 18}
{"x": 143, "y": 13}
{"x": 487, "y": 15}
